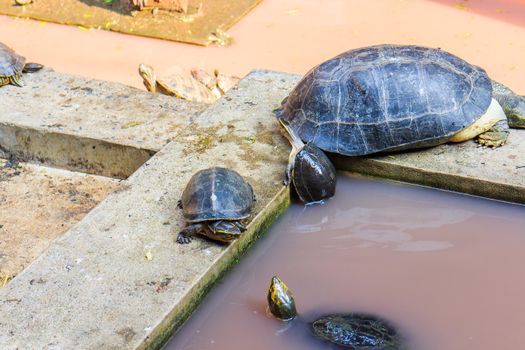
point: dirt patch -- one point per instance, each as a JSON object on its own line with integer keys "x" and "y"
{"x": 38, "y": 204}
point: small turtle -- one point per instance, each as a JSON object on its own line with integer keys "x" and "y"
{"x": 200, "y": 87}
{"x": 176, "y": 85}
{"x": 357, "y": 331}
{"x": 214, "y": 202}
{"x": 391, "y": 97}
{"x": 217, "y": 83}
{"x": 12, "y": 65}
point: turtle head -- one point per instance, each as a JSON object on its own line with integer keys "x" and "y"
{"x": 225, "y": 231}
{"x": 309, "y": 168}
{"x": 148, "y": 77}
{"x": 280, "y": 300}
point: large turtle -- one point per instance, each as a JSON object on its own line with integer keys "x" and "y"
{"x": 12, "y": 65}
{"x": 354, "y": 330}
{"x": 390, "y": 97}
{"x": 214, "y": 202}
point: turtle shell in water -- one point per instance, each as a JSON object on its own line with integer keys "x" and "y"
{"x": 358, "y": 331}
{"x": 217, "y": 194}
{"x": 11, "y": 65}
{"x": 386, "y": 97}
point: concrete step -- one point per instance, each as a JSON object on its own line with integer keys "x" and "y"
{"x": 86, "y": 125}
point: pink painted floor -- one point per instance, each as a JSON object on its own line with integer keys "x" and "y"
{"x": 292, "y": 36}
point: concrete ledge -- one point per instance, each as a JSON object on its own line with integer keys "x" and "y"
{"x": 494, "y": 173}
{"x": 87, "y": 125}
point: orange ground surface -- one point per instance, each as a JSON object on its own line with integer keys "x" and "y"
{"x": 292, "y": 36}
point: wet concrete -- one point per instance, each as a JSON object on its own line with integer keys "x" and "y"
{"x": 444, "y": 268}
{"x": 39, "y": 204}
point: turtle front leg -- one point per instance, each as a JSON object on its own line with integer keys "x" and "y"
{"x": 496, "y": 136}
{"x": 186, "y": 235}
{"x": 15, "y": 80}
{"x": 239, "y": 225}
{"x": 513, "y": 104}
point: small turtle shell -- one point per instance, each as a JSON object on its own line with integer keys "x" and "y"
{"x": 386, "y": 97}
{"x": 11, "y": 63}
{"x": 358, "y": 331}
{"x": 217, "y": 194}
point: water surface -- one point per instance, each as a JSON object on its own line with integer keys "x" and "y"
{"x": 446, "y": 268}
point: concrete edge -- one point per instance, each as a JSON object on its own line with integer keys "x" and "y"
{"x": 177, "y": 316}
{"x": 435, "y": 179}
{"x": 72, "y": 152}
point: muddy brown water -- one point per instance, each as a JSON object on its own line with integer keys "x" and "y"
{"x": 446, "y": 268}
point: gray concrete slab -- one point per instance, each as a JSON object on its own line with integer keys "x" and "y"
{"x": 117, "y": 279}
{"x": 494, "y": 173}
{"x": 87, "y": 125}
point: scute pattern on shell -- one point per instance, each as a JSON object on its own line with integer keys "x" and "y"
{"x": 11, "y": 63}
{"x": 386, "y": 97}
{"x": 215, "y": 194}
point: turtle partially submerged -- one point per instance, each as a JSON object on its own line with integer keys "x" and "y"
{"x": 357, "y": 331}
{"x": 389, "y": 98}
{"x": 214, "y": 202}
{"x": 12, "y": 65}
{"x": 200, "y": 87}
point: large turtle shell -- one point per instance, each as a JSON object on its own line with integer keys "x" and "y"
{"x": 11, "y": 63}
{"x": 386, "y": 97}
{"x": 217, "y": 194}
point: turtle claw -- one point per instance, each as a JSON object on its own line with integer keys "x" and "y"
{"x": 240, "y": 226}
{"x": 183, "y": 238}
{"x": 179, "y": 204}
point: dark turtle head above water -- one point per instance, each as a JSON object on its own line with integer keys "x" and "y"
{"x": 12, "y": 65}
{"x": 358, "y": 331}
{"x": 214, "y": 202}
{"x": 309, "y": 169}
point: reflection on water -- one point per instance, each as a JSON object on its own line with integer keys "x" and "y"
{"x": 388, "y": 227}
{"x": 446, "y": 268}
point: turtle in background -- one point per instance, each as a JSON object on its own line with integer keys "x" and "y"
{"x": 214, "y": 203}
{"x": 200, "y": 87}
{"x": 12, "y": 65}
{"x": 357, "y": 331}
{"x": 392, "y": 97}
